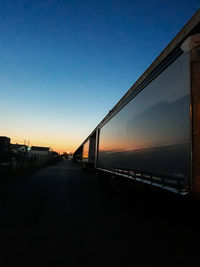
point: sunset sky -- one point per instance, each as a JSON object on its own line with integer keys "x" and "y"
{"x": 65, "y": 64}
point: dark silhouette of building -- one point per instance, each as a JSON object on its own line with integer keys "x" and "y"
{"x": 5, "y": 150}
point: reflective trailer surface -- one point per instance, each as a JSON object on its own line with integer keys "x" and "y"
{"x": 85, "y": 151}
{"x": 152, "y": 132}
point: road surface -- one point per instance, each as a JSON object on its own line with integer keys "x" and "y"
{"x": 62, "y": 216}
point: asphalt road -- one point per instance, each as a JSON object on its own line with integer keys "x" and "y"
{"x": 63, "y": 216}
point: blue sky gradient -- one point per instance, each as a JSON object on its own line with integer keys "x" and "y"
{"x": 64, "y": 64}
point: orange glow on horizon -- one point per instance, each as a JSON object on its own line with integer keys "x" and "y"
{"x": 59, "y": 145}
{"x": 61, "y": 136}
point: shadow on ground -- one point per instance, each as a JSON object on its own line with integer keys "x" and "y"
{"x": 62, "y": 216}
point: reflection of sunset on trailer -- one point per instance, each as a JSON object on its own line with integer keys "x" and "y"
{"x": 152, "y": 134}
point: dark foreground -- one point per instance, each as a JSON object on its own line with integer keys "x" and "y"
{"x": 62, "y": 216}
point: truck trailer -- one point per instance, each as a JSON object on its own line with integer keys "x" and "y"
{"x": 152, "y": 135}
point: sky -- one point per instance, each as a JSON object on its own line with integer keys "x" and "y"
{"x": 65, "y": 64}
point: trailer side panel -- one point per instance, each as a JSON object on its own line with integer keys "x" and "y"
{"x": 152, "y": 132}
